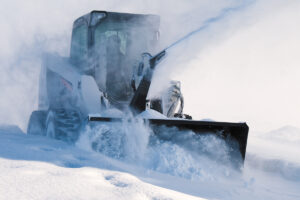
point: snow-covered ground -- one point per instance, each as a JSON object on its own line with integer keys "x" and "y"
{"x": 243, "y": 67}
{"x": 36, "y": 167}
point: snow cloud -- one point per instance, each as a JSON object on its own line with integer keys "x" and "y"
{"x": 242, "y": 67}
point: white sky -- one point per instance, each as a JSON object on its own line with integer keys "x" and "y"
{"x": 251, "y": 76}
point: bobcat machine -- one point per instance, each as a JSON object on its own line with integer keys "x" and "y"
{"x": 108, "y": 76}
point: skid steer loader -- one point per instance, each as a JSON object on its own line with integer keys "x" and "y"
{"x": 108, "y": 73}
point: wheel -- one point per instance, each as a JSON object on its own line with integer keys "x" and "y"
{"x": 36, "y": 125}
{"x": 63, "y": 124}
{"x": 51, "y": 131}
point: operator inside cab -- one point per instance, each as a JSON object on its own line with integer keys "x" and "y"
{"x": 117, "y": 78}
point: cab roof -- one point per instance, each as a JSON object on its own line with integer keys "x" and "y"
{"x": 139, "y": 19}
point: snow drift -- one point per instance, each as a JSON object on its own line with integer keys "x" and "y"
{"x": 36, "y": 167}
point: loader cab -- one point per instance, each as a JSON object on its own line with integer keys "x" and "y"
{"x": 107, "y": 45}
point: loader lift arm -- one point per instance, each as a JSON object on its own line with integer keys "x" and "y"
{"x": 138, "y": 101}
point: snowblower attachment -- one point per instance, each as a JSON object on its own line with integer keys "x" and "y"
{"x": 234, "y": 134}
{"x": 105, "y": 72}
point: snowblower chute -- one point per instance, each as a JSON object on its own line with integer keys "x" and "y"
{"x": 107, "y": 70}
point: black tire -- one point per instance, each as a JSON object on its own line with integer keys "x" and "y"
{"x": 36, "y": 125}
{"x": 51, "y": 127}
{"x": 63, "y": 124}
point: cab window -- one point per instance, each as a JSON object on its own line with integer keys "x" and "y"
{"x": 79, "y": 44}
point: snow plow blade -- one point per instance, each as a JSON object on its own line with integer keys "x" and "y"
{"x": 232, "y": 133}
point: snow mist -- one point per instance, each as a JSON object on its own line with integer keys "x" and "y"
{"x": 174, "y": 152}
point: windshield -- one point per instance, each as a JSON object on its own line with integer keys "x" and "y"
{"x": 79, "y": 44}
{"x": 134, "y": 39}
{"x": 118, "y": 46}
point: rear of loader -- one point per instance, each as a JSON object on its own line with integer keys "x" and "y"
{"x": 105, "y": 71}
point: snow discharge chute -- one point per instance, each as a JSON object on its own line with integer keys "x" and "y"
{"x": 107, "y": 78}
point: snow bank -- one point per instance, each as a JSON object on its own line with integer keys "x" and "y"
{"x": 33, "y": 167}
{"x": 276, "y": 152}
{"x": 39, "y": 180}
